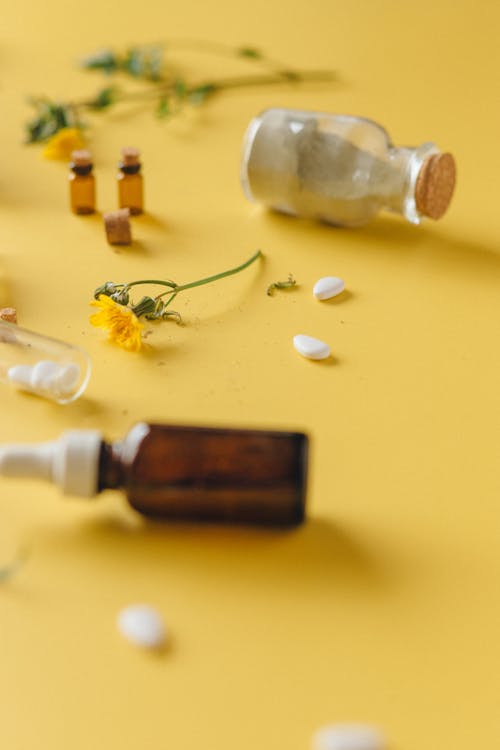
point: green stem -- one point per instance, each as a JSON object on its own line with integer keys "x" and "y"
{"x": 225, "y": 84}
{"x": 217, "y": 276}
{"x": 200, "y": 282}
{"x": 292, "y": 76}
{"x": 159, "y": 282}
{"x": 174, "y": 295}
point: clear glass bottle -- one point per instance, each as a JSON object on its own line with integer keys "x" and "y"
{"x": 82, "y": 183}
{"x": 45, "y": 366}
{"x": 341, "y": 169}
{"x": 130, "y": 181}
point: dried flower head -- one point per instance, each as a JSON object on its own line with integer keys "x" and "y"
{"x": 121, "y": 323}
{"x": 63, "y": 143}
{"x": 119, "y": 316}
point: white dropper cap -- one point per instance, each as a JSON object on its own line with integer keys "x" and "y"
{"x": 72, "y": 462}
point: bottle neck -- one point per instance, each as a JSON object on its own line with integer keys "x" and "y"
{"x": 110, "y": 467}
{"x": 399, "y": 192}
{"x": 129, "y": 168}
{"x": 81, "y": 170}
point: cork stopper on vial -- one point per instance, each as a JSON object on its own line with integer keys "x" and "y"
{"x": 8, "y": 314}
{"x": 130, "y": 156}
{"x": 435, "y": 185}
{"x": 117, "y": 225}
{"x": 81, "y": 158}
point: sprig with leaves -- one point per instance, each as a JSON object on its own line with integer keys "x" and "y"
{"x": 160, "y": 83}
{"x": 120, "y": 316}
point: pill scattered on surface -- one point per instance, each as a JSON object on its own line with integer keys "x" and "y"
{"x": 310, "y": 347}
{"x": 328, "y": 287}
{"x": 348, "y": 737}
{"x": 142, "y": 625}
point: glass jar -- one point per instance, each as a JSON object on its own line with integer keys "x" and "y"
{"x": 341, "y": 169}
{"x": 38, "y": 364}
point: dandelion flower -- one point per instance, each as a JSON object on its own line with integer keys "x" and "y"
{"x": 122, "y": 325}
{"x": 120, "y": 317}
{"x": 62, "y": 143}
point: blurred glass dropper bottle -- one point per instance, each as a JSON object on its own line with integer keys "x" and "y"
{"x": 178, "y": 472}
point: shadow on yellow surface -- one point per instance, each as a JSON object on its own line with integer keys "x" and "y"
{"x": 435, "y": 243}
{"x": 315, "y": 556}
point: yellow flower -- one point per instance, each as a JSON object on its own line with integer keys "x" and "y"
{"x": 122, "y": 325}
{"x": 62, "y": 143}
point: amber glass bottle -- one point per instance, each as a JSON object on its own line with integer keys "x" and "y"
{"x": 81, "y": 183}
{"x": 178, "y": 472}
{"x": 130, "y": 182}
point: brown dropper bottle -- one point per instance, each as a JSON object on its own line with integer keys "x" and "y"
{"x": 179, "y": 472}
{"x": 82, "y": 183}
{"x": 130, "y": 182}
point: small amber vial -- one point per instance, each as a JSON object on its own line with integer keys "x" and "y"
{"x": 82, "y": 183}
{"x": 130, "y": 182}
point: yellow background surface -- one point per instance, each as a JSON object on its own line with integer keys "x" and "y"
{"x": 384, "y": 608}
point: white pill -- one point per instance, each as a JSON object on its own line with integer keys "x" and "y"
{"x": 43, "y": 373}
{"x": 142, "y": 625}
{"x": 66, "y": 378}
{"x": 20, "y": 375}
{"x": 310, "y": 347}
{"x": 348, "y": 737}
{"x": 327, "y": 287}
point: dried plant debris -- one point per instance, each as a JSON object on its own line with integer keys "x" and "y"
{"x": 288, "y": 284}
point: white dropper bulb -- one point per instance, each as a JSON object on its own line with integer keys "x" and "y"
{"x": 72, "y": 462}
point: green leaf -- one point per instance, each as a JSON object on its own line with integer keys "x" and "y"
{"x": 251, "y": 52}
{"x": 132, "y": 63}
{"x": 50, "y": 118}
{"x": 290, "y": 75}
{"x": 163, "y": 109}
{"x": 180, "y": 88}
{"x": 144, "y": 62}
{"x": 59, "y": 115}
{"x": 33, "y": 129}
{"x": 104, "y": 60}
{"x": 104, "y": 98}
{"x": 156, "y": 63}
{"x": 201, "y": 93}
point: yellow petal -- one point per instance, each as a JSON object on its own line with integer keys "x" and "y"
{"x": 122, "y": 325}
{"x": 62, "y": 143}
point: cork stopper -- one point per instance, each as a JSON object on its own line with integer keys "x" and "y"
{"x": 117, "y": 225}
{"x": 130, "y": 156}
{"x": 435, "y": 185}
{"x": 8, "y": 314}
{"x": 82, "y": 158}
